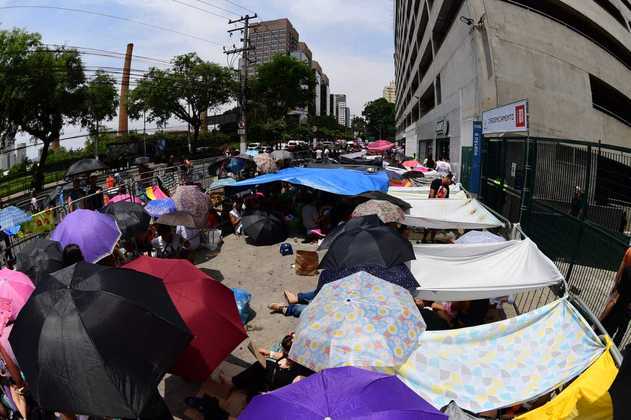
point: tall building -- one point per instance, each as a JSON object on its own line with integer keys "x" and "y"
{"x": 334, "y": 100}
{"x": 390, "y": 92}
{"x": 455, "y": 59}
{"x": 270, "y": 38}
{"x": 324, "y": 95}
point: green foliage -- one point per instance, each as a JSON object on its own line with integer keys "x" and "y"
{"x": 379, "y": 115}
{"x": 101, "y": 101}
{"x": 190, "y": 87}
{"x": 359, "y": 126}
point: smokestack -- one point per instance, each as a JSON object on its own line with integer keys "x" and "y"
{"x": 122, "y": 112}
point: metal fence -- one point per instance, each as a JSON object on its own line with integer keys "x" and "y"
{"x": 573, "y": 199}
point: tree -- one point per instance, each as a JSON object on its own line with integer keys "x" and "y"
{"x": 52, "y": 93}
{"x": 359, "y": 126}
{"x": 101, "y": 101}
{"x": 379, "y": 115}
{"x": 186, "y": 90}
{"x": 281, "y": 86}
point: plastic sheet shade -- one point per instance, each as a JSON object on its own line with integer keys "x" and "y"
{"x": 450, "y": 214}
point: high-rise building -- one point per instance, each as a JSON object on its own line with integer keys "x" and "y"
{"x": 303, "y": 53}
{"x": 334, "y": 100}
{"x": 341, "y": 113}
{"x": 270, "y": 38}
{"x": 390, "y": 92}
{"x": 455, "y": 59}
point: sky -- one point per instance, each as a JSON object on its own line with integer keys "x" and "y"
{"x": 351, "y": 39}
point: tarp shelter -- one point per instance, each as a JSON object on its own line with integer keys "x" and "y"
{"x": 422, "y": 193}
{"x": 479, "y": 271}
{"x": 503, "y": 363}
{"x": 335, "y": 181}
{"x": 450, "y": 214}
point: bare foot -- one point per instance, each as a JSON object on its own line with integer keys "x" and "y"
{"x": 224, "y": 380}
{"x": 290, "y": 297}
{"x": 277, "y": 308}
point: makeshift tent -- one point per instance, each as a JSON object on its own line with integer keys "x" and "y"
{"x": 503, "y": 363}
{"x": 380, "y": 146}
{"x": 586, "y": 397}
{"x": 336, "y": 181}
{"x": 479, "y": 271}
{"x": 422, "y": 193}
{"x": 450, "y": 214}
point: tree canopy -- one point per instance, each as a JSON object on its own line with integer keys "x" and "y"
{"x": 189, "y": 88}
{"x": 101, "y": 101}
{"x": 379, "y": 115}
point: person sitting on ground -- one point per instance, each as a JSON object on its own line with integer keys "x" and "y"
{"x": 71, "y": 255}
{"x": 296, "y": 303}
{"x": 311, "y": 221}
{"x": 434, "y": 319}
{"x": 167, "y": 244}
{"x": 235, "y": 218}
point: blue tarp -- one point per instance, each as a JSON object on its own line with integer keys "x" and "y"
{"x": 337, "y": 181}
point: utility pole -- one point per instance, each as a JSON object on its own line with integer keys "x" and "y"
{"x": 245, "y": 61}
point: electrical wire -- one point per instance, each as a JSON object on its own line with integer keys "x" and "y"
{"x": 124, "y": 19}
{"x": 200, "y": 9}
{"x": 217, "y": 7}
{"x": 234, "y": 3}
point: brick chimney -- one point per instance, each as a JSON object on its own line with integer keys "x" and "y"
{"x": 122, "y": 112}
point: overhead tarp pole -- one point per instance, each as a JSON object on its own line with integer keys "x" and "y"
{"x": 479, "y": 271}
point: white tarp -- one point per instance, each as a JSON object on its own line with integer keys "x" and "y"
{"x": 478, "y": 271}
{"x": 449, "y": 214}
{"x": 422, "y": 193}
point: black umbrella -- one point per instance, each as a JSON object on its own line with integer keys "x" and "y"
{"x": 39, "y": 257}
{"x": 142, "y": 160}
{"x": 355, "y": 223}
{"x": 177, "y": 218}
{"x": 263, "y": 228}
{"x": 97, "y": 340}
{"x": 377, "y": 245}
{"x": 131, "y": 218}
{"x": 379, "y": 195}
{"x": 85, "y": 166}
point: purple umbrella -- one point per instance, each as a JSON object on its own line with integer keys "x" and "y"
{"x": 342, "y": 393}
{"x": 95, "y": 233}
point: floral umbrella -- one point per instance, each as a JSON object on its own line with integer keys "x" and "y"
{"x": 265, "y": 163}
{"x": 359, "y": 321}
{"x": 385, "y": 210}
{"x": 191, "y": 199}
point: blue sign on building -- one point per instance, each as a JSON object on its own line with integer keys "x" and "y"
{"x": 476, "y": 160}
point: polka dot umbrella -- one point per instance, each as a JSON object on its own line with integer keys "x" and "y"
{"x": 359, "y": 321}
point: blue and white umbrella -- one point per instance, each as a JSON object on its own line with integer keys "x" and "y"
{"x": 157, "y": 208}
{"x": 12, "y": 216}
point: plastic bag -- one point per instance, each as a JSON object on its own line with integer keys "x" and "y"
{"x": 243, "y": 297}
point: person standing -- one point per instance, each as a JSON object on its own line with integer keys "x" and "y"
{"x": 617, "y": 313}
{"x": 439, "y": 188}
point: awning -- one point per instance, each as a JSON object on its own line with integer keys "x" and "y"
{"x": 478, "y": 271}
{"x": 503, "y": 363}
{"x": 336, "y": 181}
{"x": 422, "y": 193}
{"x": 449, "y": 214}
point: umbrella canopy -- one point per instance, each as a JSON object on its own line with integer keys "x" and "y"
{"x": 220, "y": 183}
{"x": 97, "y": 340}
{"x": 155, "y": 193}
{"x": 177, "y": 218}
{"x": 380, "y": 146}
{"x": 379, "y": 245}
{"x": 385, "y": 210}
{"x": 16, "y": 287}
{"x": 142, "y": 160}
{"x": 193, "y": 200}
{"x": 398, "y": 274}
{"x": 13, "y": 216}
{"x": 95, "y": 233}
{"x": 265, "y": 163}
{"x": 157, "y": 208}
{"x": 342, "y": 393}
{"x": 237, "y": 163}
{"x": 357, "y": 223}
{"x": 125, "y": 197}
{"x": 379, "y": 195}
{"x": 282, "y": 155}
{"x": 263, "y": 228}
{"x": 208, "y": 308}
{"x": 359, "y": 321}
{"x": 411, "y": 163}
{"x": 131, "y": 218}
{"x": 85, "y": 166}
{"x": 39, "y": 257}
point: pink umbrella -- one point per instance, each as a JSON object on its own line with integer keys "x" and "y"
{"x": 16, "y": 287}
{"x": 125, "y": 197}
{"x": 423, "y": 169}
{"x": 411, "y": 163}
{"x": 380, "y": 146}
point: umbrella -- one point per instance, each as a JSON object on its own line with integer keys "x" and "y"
{"x": 125, "y": 197}
{"x": 16, "y": 287}
{"x": 265, "y": 163}
{"x": 157, "y": 208}
{"x": 380, "y": 245}
{"x": 155, "y": 193}
{"x": 193, "y": 200}
{"x": 235, "y": 165}
{"x": 282, "y": 155}
{"x": 177, "y": 218}
{"x": 411, "y": 163}
{"x": 208, "y": 308}
{"x": 343, "y": 393}
{"x": 263, "y": 228}
{"x": 85, "y": 166}
{"x": 12, "y": 216}
{"x": 379, "y": 195}
{"x": 39, "y": 257}
{"x": 221, "y": 183}
{"x": 356, "y": 223}
{"x": 95, "y": 233}
{"x": 380, "y": 146}
{"x": 131, "y": 218}
{"x": 385, "y": 210}
{"x": 142, "y": 160}
{"x": 97, "y": 340}
{"x": 398, "y": 274}
{"x": 359, "y": 321}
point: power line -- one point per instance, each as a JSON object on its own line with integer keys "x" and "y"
{"x": 234, "y": 3}
{"x": 200, "y": 9}
{"x": 217, "y": 7}
{"x": 88, "y": 12}
{"x": 86, "y": 50}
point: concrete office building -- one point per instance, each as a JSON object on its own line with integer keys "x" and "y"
{"x": 270, "y": 38}
{"x": 454, "y": 59}
{"x": 390, "y": 92}
{"x": 335, "y": 100}
{"x": 324, "y": 95}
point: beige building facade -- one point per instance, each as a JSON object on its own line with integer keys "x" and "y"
{"x": 390, "y": 92}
